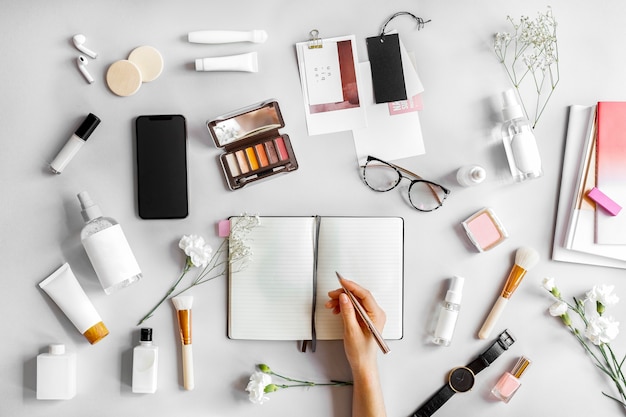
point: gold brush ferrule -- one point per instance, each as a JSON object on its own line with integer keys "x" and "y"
{"x": 184, "y": 323}
{"x": 513, "y": 281}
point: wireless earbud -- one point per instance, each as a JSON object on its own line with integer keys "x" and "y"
{"x": 79, "y": 43}
{"x": 82, "y": 67}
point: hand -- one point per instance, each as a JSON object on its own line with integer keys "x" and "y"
{"x": 360, "y": 346}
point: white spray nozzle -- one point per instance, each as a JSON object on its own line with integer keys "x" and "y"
{"x": 455, "y": 291}
{"x": 89, "y": 209}
{"x": 511, "y": 109}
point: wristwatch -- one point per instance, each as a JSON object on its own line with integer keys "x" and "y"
{"x": 461, "y": 379}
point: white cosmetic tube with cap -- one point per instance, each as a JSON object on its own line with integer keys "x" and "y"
{"x": 244, "y": 62}
{"x": 74, "y": 143}
{"x": 227, "y": 36}
{"x": 64, "y": 289}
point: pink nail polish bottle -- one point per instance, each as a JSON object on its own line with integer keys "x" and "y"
{"x": 508, "y": 384}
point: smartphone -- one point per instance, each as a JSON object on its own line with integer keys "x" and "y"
{"x": 161, "y": 166}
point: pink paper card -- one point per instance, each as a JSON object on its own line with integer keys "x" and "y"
{"x": 406, "y": 106}
{"x": 611, "y": 170}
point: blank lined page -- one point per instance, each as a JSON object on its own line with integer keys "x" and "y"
{"x": 368, "y": 251}
{"x": 271, "y": 298}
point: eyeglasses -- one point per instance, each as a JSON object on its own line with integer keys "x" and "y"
{"x": 383, "y": 176}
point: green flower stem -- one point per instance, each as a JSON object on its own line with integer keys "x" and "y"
{"x": 186, "y": 269}
{"x": 219, "y": 264}
{"x": 315, "y": 384}
{"x": 618, "y": 374}
{"x": 524, "y": 44}
{"x": 215, "y": 263}
{"x": 301, "y": 383}
{"x": 608, "y": 362}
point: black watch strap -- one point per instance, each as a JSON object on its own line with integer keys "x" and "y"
{"x": 502, "y": 343}
{"x": 435, "y": 402}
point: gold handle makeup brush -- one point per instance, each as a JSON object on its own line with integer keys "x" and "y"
{"x": 525, "y": 259}
{"x": 183, "y": 309}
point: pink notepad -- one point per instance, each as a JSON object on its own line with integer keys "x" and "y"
{"x": 611, "y": 169}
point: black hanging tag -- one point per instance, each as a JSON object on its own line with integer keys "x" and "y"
{"x": 386, "y": 65}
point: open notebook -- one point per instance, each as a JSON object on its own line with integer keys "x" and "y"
{"x": 272, "y": 298}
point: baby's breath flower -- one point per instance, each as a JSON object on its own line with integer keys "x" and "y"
{"x": 534, "y": 53}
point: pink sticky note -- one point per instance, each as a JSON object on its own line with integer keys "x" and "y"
{"x": 604, "y": 201}
{"x": 406, "y": 106}
{"x": 223, "y": 228}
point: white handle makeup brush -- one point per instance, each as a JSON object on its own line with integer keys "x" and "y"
{"x": 183, "y": 309}
{"x": 525, "y": 259}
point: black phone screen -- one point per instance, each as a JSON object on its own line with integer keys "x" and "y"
{"x": 162, "y": 167}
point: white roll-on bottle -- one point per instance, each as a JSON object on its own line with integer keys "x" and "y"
{"x": 74, "y": 143}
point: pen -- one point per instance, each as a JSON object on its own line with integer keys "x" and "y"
{"x": 363, "y": 314}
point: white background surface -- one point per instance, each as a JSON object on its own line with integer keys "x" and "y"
{"x": 44, "y": 98}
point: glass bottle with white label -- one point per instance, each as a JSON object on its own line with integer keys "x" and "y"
{"x": 519, "y": 140}
{"x": 107, "y": 248}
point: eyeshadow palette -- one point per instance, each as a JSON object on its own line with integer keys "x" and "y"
{"x": 255, "y": 149}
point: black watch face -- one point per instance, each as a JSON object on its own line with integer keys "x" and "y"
{"x": 461, "y": 379}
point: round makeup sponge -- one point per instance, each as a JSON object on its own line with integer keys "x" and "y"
{"x": 149, "y": 61}
{"x": 124, "y": 78}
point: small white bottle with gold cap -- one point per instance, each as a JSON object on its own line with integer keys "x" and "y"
{"x": 56, "y": 374}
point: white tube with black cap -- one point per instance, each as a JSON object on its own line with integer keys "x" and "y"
{"x": 74, "y": 143}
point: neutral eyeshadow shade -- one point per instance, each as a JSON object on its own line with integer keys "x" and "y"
{"x": 271, "y": 152}
{"x": 282, "y": 149}
{"x": 254, "y": 164}
{"x": 231, "y": 162}
{"x": 260, "y": 151}
{"x": 241, "y": 161}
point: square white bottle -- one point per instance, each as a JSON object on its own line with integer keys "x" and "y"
{"x": 56, "y": 374}
{"x": 145, "y": 364}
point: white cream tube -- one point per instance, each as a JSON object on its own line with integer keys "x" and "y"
{"x": 227, "y": 36}
{"x": 64, "y": 289}
{"x": 244, "y": 62}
